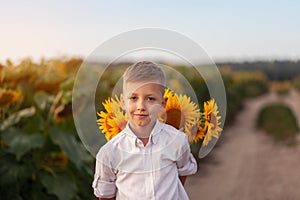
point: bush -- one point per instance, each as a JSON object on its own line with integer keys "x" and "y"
{"x": 279, "y": 121}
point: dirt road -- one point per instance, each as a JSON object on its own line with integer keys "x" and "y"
{"x": 247, "y": 164}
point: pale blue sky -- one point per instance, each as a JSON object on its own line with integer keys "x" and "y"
{"x": 228, "y": 30}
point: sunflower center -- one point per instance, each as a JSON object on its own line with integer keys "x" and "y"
{"x": 174, "y": 118}
{"x": 213, "y": 120}
{"x": 6, "y": 98}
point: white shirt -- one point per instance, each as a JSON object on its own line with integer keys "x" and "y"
{"x": 127, "y": 169}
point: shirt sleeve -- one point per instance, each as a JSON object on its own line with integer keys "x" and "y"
{"x": 104, "y": 178}
{"x": 186, "y": 164}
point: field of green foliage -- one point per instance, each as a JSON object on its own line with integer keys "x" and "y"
{"x": 41, "y": 155}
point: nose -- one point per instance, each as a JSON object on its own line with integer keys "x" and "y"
{"x": 141, "y": 105}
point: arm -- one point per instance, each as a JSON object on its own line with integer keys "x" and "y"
{"x": 182, "y": 179}
{"x": 186, "y": 163}
{"x": 104, "y": 178}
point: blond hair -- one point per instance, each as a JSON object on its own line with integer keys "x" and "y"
{"x": 144, "y": 71}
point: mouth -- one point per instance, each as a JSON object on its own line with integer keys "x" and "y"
{"x": 140, "y": 115}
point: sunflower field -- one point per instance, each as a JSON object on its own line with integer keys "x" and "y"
{"x": 41, "y": 155}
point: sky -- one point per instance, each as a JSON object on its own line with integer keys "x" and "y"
{"x": 227, "y": 30}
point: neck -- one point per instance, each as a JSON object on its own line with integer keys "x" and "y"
{"x": 142, "y": 132}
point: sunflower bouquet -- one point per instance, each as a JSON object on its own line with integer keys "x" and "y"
{"x": 180, "y": 112}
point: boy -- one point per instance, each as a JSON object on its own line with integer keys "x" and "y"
{"x": 148, "y": 159}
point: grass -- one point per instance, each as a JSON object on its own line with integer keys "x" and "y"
{"x": 279, "y": 121}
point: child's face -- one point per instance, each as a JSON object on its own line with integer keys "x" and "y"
{"x": 143, "y": 102}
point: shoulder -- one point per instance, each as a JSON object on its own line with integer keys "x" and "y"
{"x": 174, "y": 136}
{"x": 173, "y": 132}
{"x": 111, "y": 146}
{"x": 173, "y": 142}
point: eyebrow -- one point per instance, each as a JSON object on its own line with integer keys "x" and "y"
{"x": 145, "y": 95}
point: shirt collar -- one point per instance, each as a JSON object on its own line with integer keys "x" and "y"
{"x": 153, "y": 135}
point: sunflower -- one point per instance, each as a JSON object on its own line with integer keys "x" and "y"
{"x": 180, "y": 112}
{"x": 106, "y": 119}
{"x": 195, "y": 132}
{"x": 57, "y": 159}
{"x": 49, "y": 87}
{"x": 113, "y": 120}
{"x": 8, "y": 97}
{"x": 211, "y": 121}
{"x": 63, "y": 112}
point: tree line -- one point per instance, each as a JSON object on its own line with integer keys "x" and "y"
{"x": 274, "y": 70}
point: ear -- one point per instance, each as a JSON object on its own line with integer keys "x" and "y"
{"x": 123, "y": 103}
{"x": 164, "y": 102}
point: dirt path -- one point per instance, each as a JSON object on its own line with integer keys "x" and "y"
{"x": 247, "y": 164}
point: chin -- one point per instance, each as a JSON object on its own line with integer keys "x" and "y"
{"x": 146, "y": 124}
{"x": 142, "y": 124}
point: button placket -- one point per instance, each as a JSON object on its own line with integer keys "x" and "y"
{"x": 149, "y": 171}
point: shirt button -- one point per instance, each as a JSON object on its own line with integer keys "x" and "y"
{"x": 139, "y": 143}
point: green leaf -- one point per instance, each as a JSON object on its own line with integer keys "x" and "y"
{"x": 38, "y": 126}
{"x": 67, "y": 97}
{"x": 61, "y": 185}
{"x": 41, "y": 98}
{"x": 67, "y": 84}
{"x": 12, "y": 171}
{"x": 40, "y": 194}
{"x": 21, "y": 143}
{"x": 16, "y": 117}
{"x": 68, "y": 143}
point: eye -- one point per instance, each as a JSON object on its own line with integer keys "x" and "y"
{"x": 133, "y": 98}
{"x": 150, "y": 99}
